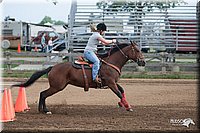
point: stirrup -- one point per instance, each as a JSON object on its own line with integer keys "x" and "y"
{"x": 97, "y": 80}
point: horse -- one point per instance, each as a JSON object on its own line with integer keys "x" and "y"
{"x": 62, "y": 74}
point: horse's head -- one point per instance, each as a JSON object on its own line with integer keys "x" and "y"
{"x": 129, "y": 51}
{"x": 136, "y": 55}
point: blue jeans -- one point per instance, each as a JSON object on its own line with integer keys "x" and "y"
{"x": 91, "y": 56}
{"x": 49, "y": 48}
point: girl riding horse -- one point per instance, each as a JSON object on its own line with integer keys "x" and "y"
{"x": 65, "y": 73}
{"x": 91, "y": 49}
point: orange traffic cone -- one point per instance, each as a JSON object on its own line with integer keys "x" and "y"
{"x": 6, "y": 111}
{"x": 18, "y": 48}
{"x": 21, "y": 102}
{"x": 36, "y": 49}
{"x": 11, "y": 105}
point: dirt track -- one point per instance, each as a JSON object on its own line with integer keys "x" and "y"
{"x": 156, "y": 103}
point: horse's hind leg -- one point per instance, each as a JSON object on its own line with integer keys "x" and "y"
{"x": 43, "y": 95}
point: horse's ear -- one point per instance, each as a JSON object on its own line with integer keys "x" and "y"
{"x": 131, "y": 42}
{"x": 134, "y": 44}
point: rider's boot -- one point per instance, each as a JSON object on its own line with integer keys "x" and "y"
{"x": 98, "y": 80}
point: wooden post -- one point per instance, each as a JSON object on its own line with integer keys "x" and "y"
{"x": 140, "y": 68}
{"x": 163, "y": 62}
{"x": 175, "y": 68}
{"x": 8, "y": 59}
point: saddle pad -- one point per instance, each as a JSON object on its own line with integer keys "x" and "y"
{"x": 78, "y": 66}
{"x": 81, "y": 62}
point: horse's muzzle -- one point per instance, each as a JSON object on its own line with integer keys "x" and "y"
{"x": 141, "y": 62}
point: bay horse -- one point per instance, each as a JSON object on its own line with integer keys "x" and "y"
{"x": 62, "y": 74}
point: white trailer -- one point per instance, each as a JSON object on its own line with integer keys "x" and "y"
{"x": 16, "y": 32}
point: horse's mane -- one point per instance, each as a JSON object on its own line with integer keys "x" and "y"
{"x": 114, "y": 49}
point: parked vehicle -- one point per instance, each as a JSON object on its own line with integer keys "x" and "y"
{"x": 49, "y": 34}
{"x": 16, "y": 32}
{"x": 58, "y": 40}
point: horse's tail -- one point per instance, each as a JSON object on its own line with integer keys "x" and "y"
{"x": 33, "y": 78}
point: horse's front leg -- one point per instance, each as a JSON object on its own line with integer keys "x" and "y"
{"x": 114, "y": 87}
{"x": 123, "y": 101}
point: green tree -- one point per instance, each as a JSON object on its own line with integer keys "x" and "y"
{"x": 48, "y": 19}
{"x": 132, "y": 5}
{"x": 137, "y": 8}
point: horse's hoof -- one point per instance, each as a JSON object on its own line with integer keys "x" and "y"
{"x": 48, "y": 113}
{"x": 129, "y": 109}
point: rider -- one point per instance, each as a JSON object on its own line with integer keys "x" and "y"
{"x": 91, "y": 48}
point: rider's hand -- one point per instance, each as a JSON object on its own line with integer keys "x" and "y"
{"x": 114, "y": 40}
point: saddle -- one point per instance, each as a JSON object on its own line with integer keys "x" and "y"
{"x": 81, "y": 63}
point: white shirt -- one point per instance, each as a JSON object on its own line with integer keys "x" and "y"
{"x": 50, "y": 43}
{"x": 93, "y": 42}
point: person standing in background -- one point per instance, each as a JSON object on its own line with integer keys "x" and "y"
{"x": 43, "y": 42}
{"x": 50, "y": 44}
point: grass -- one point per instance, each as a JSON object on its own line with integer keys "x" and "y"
{"x": 5, "y": 66}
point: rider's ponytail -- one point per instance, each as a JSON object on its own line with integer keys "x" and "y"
{"x": 93, "y": 28}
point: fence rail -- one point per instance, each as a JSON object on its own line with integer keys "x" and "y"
{"x": 155, "y": 62}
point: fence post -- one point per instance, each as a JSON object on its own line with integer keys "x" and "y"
{"x": 140, "y": 68}
{"x": 8, "y": 60}
{"x": 175, "y": 68}
{"x": 163, "y": 59}
{"x": 47, "y": 54}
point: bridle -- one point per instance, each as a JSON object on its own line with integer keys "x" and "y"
{"x": 113, "y": 66}
{"x": 137, "y": 60}
{"x": 121, "y": 51}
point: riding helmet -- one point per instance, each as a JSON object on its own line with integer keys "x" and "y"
{"x": 101, "y": 26}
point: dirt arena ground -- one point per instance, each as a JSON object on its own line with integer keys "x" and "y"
{"x": 158, "y": 105}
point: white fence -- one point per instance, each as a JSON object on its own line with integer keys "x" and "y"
{"x": 169, "y": 28}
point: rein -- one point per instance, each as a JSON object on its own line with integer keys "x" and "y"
{"x": 113, "y": 66}
{"x": 122, "y": 51}
{"x": 109, "y": 52}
